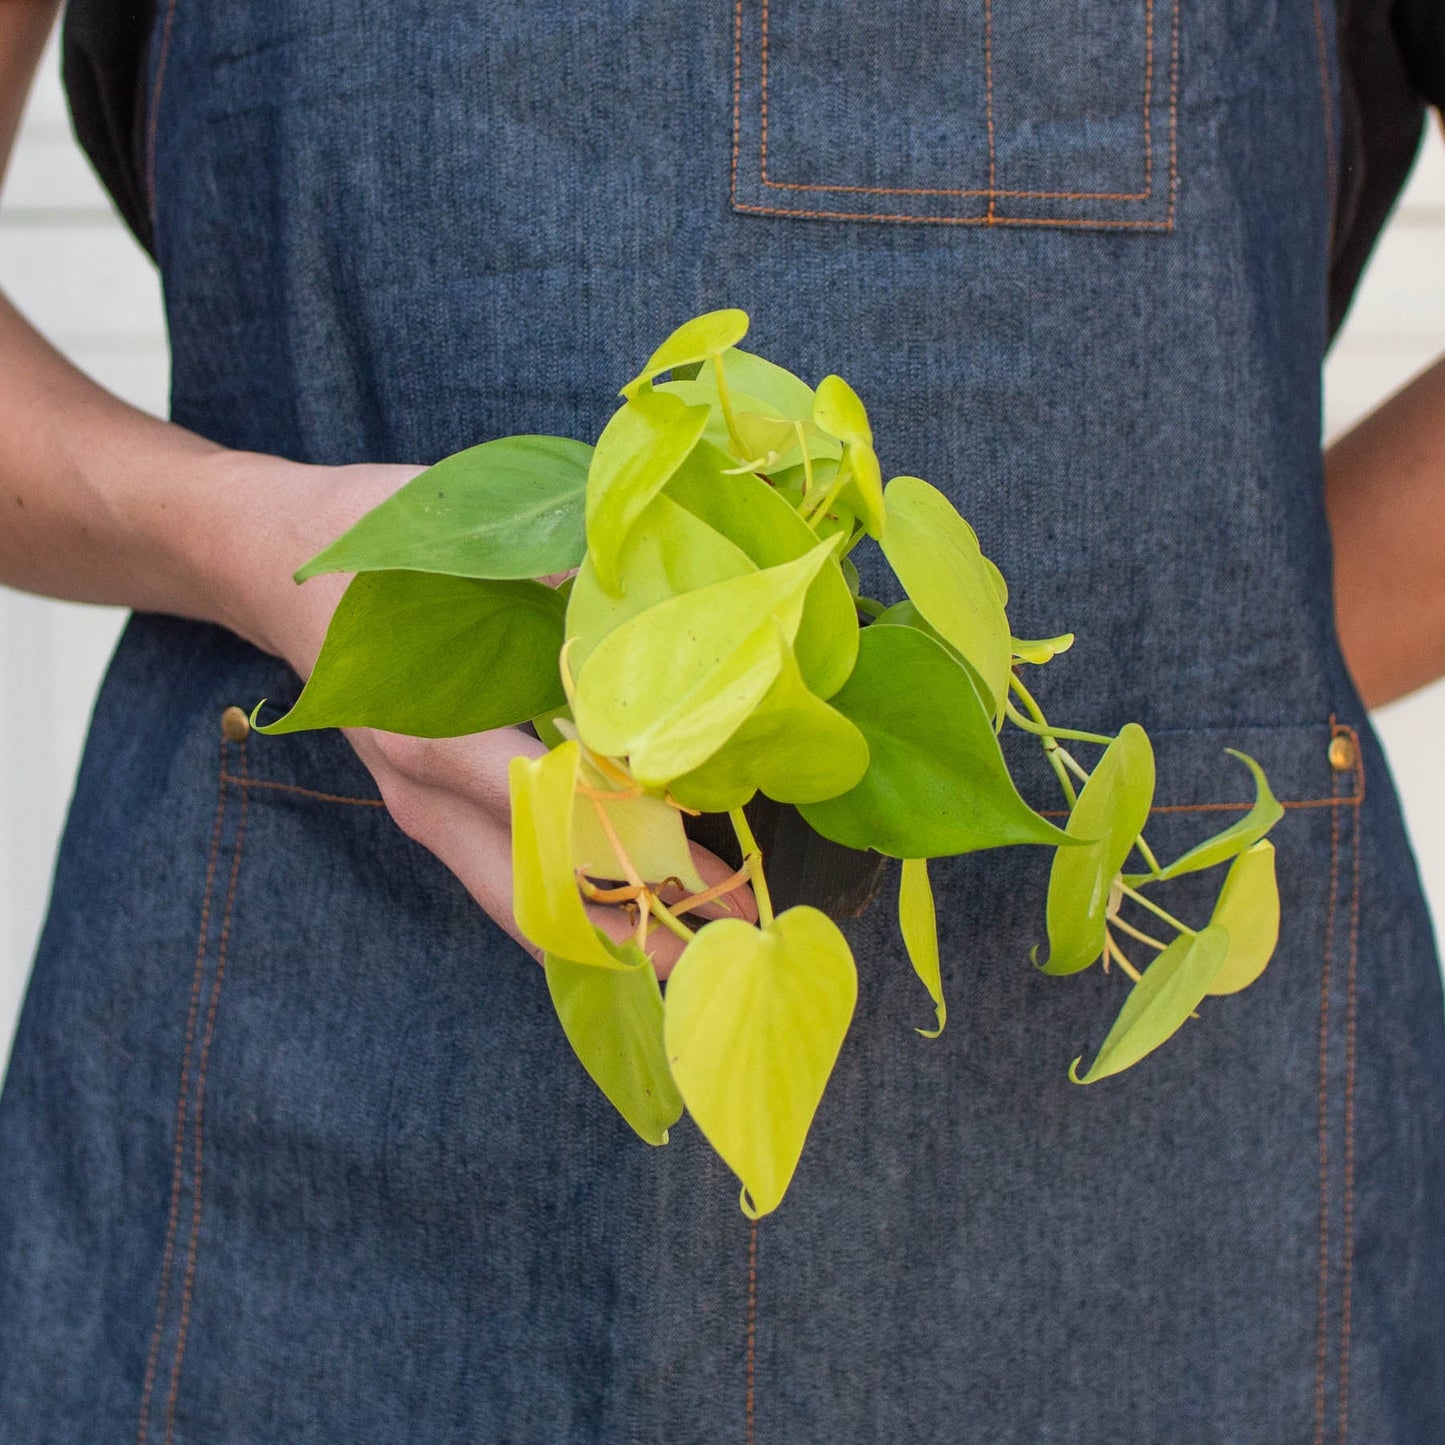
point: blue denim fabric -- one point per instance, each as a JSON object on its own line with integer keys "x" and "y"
{"x": 292, "y": 1148}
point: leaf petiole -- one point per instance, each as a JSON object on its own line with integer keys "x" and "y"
{"x": 753, "y": 862}
{"x": 1155, "y": 909}
{"x": 665, "y": 916}
{"x": 1044, "y": 731}
{"x": 1112, "y": 950}
{"x": 725, "y": 399}
{"x": 1137, "y": 933}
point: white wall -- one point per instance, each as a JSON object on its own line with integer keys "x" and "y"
{"x": 71, "y": 267}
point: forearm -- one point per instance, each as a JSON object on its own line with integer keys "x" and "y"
{"x": 1385, "y": 494}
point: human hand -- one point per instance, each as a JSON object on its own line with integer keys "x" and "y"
{"x": 450, "y": 795}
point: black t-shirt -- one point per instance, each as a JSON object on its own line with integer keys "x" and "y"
{"x": 1392, "y": 63}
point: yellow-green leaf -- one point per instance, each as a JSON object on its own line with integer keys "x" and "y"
{"x": 839, "y": 411}
{"x": 697, "y": 340}
{"x": 793, "y": 747}
{"x": 650, "y": 832}
{"x": 613, "y": 1020}
{"x": 646, "y": 441}
{"x": 754, "y": 1019}
{"x": 670, "y": 686}
{"x": 936, "y": 556}
{"x": 1172, "y": 987}
{"x": 1248, "y": 910}
{"x": 918, "y": 923}
{"x": 668, "y": 551}
{"x": 1112, "y": 810}
{"x": 545, "y": 899}
{"x": 1042, "y": 651}
{"x": 1233, "y": 840}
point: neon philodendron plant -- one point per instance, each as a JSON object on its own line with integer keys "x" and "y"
{"x": 712, "y": 645}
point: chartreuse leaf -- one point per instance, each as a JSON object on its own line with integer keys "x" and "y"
{"x": 668, "y": 551}
{"x": 794, "y": 747}
{"x": 649, "y": 831}
{"x": 936, "y": 782}
{"x": 937, "y": 559}
{"x": 613, "y": 1020}
{"x": 545, "y": 901}
{"x": 433, "y": 656}
{"x": 754, "y": 1019}
{"x": 788, "y": 395}
{"x": 646, "y": 441}
{"x": 697, "y": 340}
{"x": 1000, "y": 586}
{"x": 670, "y": 686}
{"x": 838, "y": 411}
{"x": 545, "y": 724}
{"x": 1112, "y": 810}
{"x": 1042, "y": 651}
{"x": 1172, "y": 987}
{"x": 918, "y": 923}
{"x": 1230, "y": 843}
{"x": 508, "y": 508}
{"x": 703, "y": 391}
{"x": 1248, "y": 910}
{"x": 750, "y": 513}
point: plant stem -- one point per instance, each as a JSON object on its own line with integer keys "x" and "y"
{"x": 1137, "y": 933}
{"x": 725, "y": 400}
{"x": 1155, "y": 909}
{"x": 1052, "y": 750}
{"x": 623, "y": 861}
{"x": 1042, "y": 731}
{"x": 807, "y": 460}
{"x": 1112, "y": 949}
{"x": 1148, "y": 854}
{"x": 753, "y": 862}
{"x": 1070, "y": 762}
{"x": 831, "y": 495}
{"x": 669, "y": 921}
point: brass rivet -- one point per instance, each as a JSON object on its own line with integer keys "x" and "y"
{"x": 235, "y": 725}
{"x": 1342, "y": 752}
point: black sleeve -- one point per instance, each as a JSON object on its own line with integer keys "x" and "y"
{"x": 103, "y": 57}
{"x": 1392, "y": 66}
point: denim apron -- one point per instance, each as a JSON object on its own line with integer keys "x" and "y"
{"x": 292, "y": 1148}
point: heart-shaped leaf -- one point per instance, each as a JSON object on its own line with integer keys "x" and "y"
{"x": 1172, "y": 987}
{"x": 545, "y": 901}
{"x": 754, "y": 1019}
{"x": 433, "y": 656}
{"x": 838, "y": 410}
{"x": 750, "y": 513}
{"x": 697, "y": 340}
{"x": 936, "y": 782}
{"x": 918, "y": 923}
{"x": 640, "y": 448}
{"x": 668, "y": 551}
{"x": 1112, "y": 810}
{"x": 509, "y": 508}
{"x": 788, "y": 395}
{"x": 794, "y": 747}
{"x": 1243, "y": 833}
{"x": 613, "y": 1020}
{"x": 649, "y": 830}
{"x": 1248, "y": 910}
{"x": 936, "y": 556}
{"x": 670, "y": 686}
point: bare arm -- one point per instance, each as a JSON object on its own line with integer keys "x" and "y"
{"x": 101, "y": 503}
{"x": 1385, "y": 493}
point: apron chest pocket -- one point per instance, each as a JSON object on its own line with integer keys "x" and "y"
{"x": 962, "y": 112}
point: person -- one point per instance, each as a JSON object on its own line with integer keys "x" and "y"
{"x": 291, "y": 1146}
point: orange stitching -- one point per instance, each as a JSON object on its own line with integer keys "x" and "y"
{"x": 1322, "y": 1295}
{"x": 737, "y": 97}
{"x": 748, "y": 1427}
{"x": 1348, "y": 1236}
{"x": 1228, "y": 807}
{"x": 198, "y": 1152}
{"x": 1078, "y": 225}
{"x": 301, "y": 792}
{"x": 182, "y": 1096}
{"x": 988, "y": 101}
{"x": 1329, "y": 106}
{"x": 992, "y": 193}
{"x": 1173, "y": 112}
{"x": 152, "y": 120}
